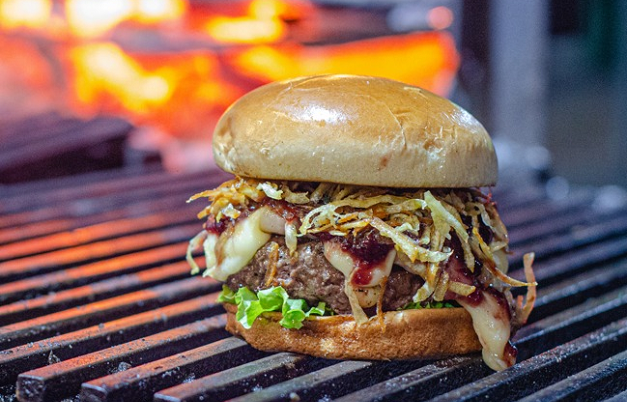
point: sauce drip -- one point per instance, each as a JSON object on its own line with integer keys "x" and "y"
{"x": 214, "y": 227}
{"x": 368, "y": 252}
{"x": 362, "y": 275}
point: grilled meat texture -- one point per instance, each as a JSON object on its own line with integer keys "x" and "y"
{"x": 308, "y": 275}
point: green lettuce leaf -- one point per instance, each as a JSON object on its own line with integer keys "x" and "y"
{"x": 251, "y": 305}
{"x": 432, "y": 304}
{"x": 227, "y": 295}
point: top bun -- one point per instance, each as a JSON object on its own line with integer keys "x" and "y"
{"x": 353, "y": 130}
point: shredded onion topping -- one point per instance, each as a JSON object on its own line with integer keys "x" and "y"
{"x": 530, "y": 298}
{"x": 418, "y": 222}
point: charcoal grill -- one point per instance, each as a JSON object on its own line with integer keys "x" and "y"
{"x": 96, "y": 303}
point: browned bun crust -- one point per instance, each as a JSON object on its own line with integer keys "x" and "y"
{"x": 408, "y": 334}
{"x": 354, "y": 130}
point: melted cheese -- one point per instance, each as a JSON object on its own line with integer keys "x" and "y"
{"x": 346, "y": 263}
{"x": 368, "y": 297}
{"x": 270, "y": 221}
{"x": 227, "y": 256}
{"x": 209, "y": 246}
{"x": 193, "y": 245}
{"x": 235, "y": 252}
{"x": 492, "y": 326}
{"x": 340, "y": 260}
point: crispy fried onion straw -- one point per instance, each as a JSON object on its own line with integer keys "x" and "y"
{"x": 530, "y": 299}
{"x": 419, "y": 222}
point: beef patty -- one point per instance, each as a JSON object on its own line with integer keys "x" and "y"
{"x": 307, "y": 274}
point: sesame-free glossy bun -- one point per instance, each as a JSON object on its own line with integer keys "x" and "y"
{"x": 353, "y": 130}
{"x": 408, "y": 334}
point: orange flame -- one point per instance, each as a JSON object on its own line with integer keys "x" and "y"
{"x": 181, "y": 93}
{"x": 184, "y": 93}
{"x": 245, "y": 30}
{"x": 94, "y": 18}
{"x": 104, "y": 68}
{"x": 264, "y": 23}
{"x": 155, "y": 11}
{"x": 428, "y": 60}
{"x": 24, "y": 13}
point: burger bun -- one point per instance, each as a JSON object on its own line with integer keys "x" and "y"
{"x": 354, "y": 130}
{"x": 407, "y": 334}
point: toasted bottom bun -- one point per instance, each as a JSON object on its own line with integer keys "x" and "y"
{"x": 408, "y": 334}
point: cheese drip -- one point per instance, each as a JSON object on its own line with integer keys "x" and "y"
{"x": 233, "y": 250}
{"x": 347, "y": 264}
{"x": 491, "y": 323}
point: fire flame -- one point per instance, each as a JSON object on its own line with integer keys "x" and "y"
{"x": 94, "y": 18}
{"x": 245, "y": 30}
{"x": 428, "y": 60}
{"x": 104, "y": 68}
{"x": 179, "y": 93}
{"x": 154, "y": 11}
{"x": 24, "y": 13}
{"x": 264, "y": 22}
{"x": 183, "y": 93}
{"x": 91, "y": 18}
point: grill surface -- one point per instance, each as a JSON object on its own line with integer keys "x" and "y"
{"x": 96, "y": 303}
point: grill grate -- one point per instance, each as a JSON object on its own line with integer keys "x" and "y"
{"x": 49, "y": 145}
{"x": 96, "y": 303}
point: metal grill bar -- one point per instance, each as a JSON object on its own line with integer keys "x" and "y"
{"x": 543, "y": 369}
{"x": 82, "y": 185}
{"x": 418, "y": 385}
{"x": 80, "y": 275}
{"x": 24, "y": 309}
{"x": 617, "y": 398}
{"x": 90, "y": 234}
{"x": 424, "y": 382}
{"x": 56, "y": 259}
{"x": 42, "y": 153}
{"x": 514, "y": 197}
{"x": 578, "y": 260}
{"x": 581, "y": 287}
{"x": 559, "y": 224}
{"x": 64, "y": 379}
{"x": 140, "y": 186}
{"x": 41, "y": 132}
{"x": 539, "y": 210}
{"x": 599, "y": 381}
{"x": 38, "y": 354}
{"x": 316, "y": 385}
{"x": 141, "y": 383}
{"x": 122, "y": 321}
{"x": 89, "y": 314}
{"x": 12, "y": 128}
{"x": 576, "y": 238}
{"x": 551, "y": 331}
{"x": 249, "y": 377}
{"x": 95, "y": 205}
{"x": 52, "y": 225}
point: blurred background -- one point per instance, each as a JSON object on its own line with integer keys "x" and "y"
{"x": 139, "y": 84}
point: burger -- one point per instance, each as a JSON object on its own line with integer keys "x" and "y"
{"x": 355, "y": 226}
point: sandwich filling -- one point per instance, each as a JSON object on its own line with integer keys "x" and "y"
{"x": 362, "y": 251}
